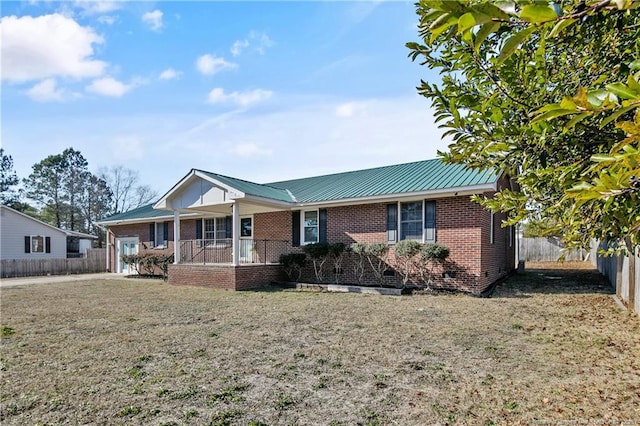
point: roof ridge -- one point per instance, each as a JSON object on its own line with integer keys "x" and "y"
{"x": 356, "y": 171}
{"x": 241, "y": 180}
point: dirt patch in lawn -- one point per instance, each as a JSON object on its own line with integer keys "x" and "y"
{"x": 542, "y": 350}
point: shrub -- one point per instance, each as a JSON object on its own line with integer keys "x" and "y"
{"x": 431, "y": 254}
{"x": 377, "y": 254}
{"x": 406, "y": 262}
{"x": 336, "y": 253}
{"x": 318, "y": 252}
{"x": 359, "y": 251}
{"x": 293, "y": 263}
{"x": 149, "y": 263}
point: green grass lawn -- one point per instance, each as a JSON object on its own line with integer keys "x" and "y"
{"x": 549, "y": 346}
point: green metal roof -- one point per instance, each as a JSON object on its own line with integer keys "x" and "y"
{"x": 252, "y": 188}
{"x": 389, "y": 180}
{"x": 420, "y": 176}
{"x": 143, "y": 212}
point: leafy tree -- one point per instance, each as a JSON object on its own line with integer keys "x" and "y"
{"x": 125, "y": 186}
{"x": 549, "y": 93}
{"x": 8, "y": 179}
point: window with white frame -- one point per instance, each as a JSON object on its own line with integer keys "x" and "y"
{"x": 310, "y": 227}
{"x": 411, "y": 221}
{"x": 37, "y": 244}
{"x": 162, "y": 234}
{"x": 215, "y": 229}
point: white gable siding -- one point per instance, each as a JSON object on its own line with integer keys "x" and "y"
{"x": 197, "y": 193}
{"x": 14, "y": 227}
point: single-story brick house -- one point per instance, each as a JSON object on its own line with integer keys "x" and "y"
{"x": 231, "y": 231}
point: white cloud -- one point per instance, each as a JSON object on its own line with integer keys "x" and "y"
{"x": 250, "y": 150}
{"x": 238, "y": 46}
{"x": 246, "y": 98}
{"x": 350, "y": 109}
{"x": 170, "y": 74}
{"x": 210, "y": 65}
{"x": 153, "y": 19}
{"x": 47, "y": 46}
{"x": 258, "y": 40}
{"x": 95, "y": 7}
{"x": 109, "y": 86}
{"x": 46, "y": 91}
{"x": 107, "y": 19}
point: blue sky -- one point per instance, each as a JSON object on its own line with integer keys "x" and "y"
{"x": 262, "y": 91}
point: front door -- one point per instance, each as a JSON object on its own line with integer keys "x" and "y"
{"x": 246, "y": 239}
{"x": 124, "y": 247}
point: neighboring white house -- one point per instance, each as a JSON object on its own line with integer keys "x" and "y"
{"x": 23, "y": 237}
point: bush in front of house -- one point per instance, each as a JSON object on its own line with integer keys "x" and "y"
{"x": 318, "y": 252}
{"x": 431, "y": 255}
{"x": 407, "y": 263}
{"x": 149, "y": 264}
{"x": 337, "y": 252}
{"x": 293, "y": 264}
{"x": 377, "y": 256}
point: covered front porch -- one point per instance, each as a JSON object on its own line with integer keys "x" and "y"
{"x": 227, "y": 251}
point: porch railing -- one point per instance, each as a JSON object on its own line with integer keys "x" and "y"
{"x": 221, "y": 251}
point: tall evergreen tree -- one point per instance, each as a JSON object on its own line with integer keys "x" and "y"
{"x": 8, "y": 180}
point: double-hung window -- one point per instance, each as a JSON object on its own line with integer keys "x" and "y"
{"x": 310, "y": 227}
{"x": 215, "y": 230}
{"x": 413, "y": 220}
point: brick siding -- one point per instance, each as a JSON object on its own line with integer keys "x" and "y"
{"x": 461, "y": 225}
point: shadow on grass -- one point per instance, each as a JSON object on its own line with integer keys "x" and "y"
{"x": 554, "y": 281}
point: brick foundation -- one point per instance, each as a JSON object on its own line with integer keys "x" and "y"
{"x": 224, "y": 277}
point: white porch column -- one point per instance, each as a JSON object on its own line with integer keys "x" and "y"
{"x": 235, "y": 234}
{"x": 176, "y": 237}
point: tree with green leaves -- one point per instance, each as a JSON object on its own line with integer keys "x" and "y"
{"x": 8, "y": 180}
{"x": 549, "y": 93}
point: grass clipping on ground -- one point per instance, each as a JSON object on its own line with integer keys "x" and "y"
{"x": 549, "y": 346}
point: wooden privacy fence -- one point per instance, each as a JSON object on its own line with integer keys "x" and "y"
{"x": 95, "y": 261}
{"x": 547, "y": 250}
{"x": 623, "y": 272}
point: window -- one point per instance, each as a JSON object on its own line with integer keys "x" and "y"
{"x": 415, "y": 220}
{"x": 37, "y": 244}
{"x": 159, "y": 234}
{"x": 214, "y": 230}
{"x": 411, "y": 221}
{"x": 310, "y": 227}
{"x": 246, "y": 228}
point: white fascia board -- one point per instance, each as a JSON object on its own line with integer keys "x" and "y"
{"x": 270, "y": 202}
{"x": 161, "y": 204}
{"x": 234, "y": 193}
{"x": 436, "y": 193}
{"x": 147, "y": 219}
